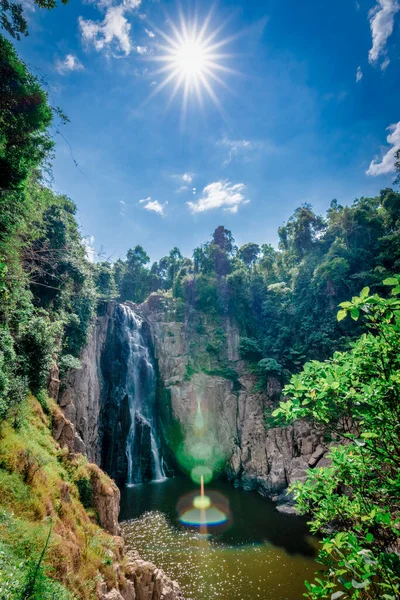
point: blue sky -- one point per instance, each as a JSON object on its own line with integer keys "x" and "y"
{"x": 302, "y": 115}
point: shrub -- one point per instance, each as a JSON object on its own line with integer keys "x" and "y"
{"x": 85, "y": 491}
{"x": 249, "y": 349}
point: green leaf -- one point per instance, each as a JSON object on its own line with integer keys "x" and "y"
{"x": 354, "y": 313}
{"x": 345, "y": 304}
{"x": 341, "y": 315}
{"x": 390, "y": 281}
{"x": 337, "y": 595}
{"x": 364, "y": 293}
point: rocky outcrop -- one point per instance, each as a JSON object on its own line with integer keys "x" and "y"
{"x": 141, "y": 580}
{"x": 63, "y": 430}
{"x": 253, "y": 456}
{"x": 105, "y": 498}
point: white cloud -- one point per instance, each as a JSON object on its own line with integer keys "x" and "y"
{"x": 113, "y": 31}
{"x": 151, "y": 34}
{"x": 235, "y": 147}
{"x": 153, "y": 205}
{"x": 187, "y": 178}
{"x": 244, "y": 148}
{"x": 69, "y": 63}
{"x": 88, "y": 242}
{"x": 381, "y": 18}
{"x": 142, "y": 50}
{"x": 220, "y": 194}
{"x": 386, "y": 163}
{"x": 359, "y": 74}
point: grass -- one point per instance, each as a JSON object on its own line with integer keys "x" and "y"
{"x": 41, "y": 488}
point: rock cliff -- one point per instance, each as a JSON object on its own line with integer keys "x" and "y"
{"x": 198, "y": 363}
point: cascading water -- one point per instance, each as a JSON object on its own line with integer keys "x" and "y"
{"x": 142, "y": 447}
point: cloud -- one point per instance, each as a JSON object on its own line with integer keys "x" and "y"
{"x": 153, "y": 205}
{"x": 386, "y": 163}
{"x": 187, "y": 178}
{"x": 381, "y": 18}
{"x": 88, "y": 243}
{"x": 235, "y": 147}
{"x": 142, "y": 50}
{"x": 359, "y": 74}
{"x": 220, "y": 194}
{"x": 113, "y": 31}
{"x": 151, "y": 34}
{"x": 70, "y": 63}
{"x": 243, "y": 149}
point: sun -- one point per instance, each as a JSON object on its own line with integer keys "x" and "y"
{"x": 193, "y": 61}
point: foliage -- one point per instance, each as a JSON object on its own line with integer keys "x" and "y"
{"x": 249, "y": 349}
{"x": 12, "y": 16}
{"x": 355, "y": 397}
{"x": 69, "y": 362}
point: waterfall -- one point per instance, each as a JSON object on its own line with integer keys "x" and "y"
{"x": 142, "y": 445}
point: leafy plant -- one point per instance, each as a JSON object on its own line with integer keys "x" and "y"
{"x": 355, "y": 397}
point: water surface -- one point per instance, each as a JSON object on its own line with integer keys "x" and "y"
{"x": 258, "y": 554}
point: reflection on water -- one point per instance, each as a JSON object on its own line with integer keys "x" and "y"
{"x": 259, "y": 553}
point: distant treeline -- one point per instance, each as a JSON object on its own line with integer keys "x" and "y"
{"x": 284, "y": 300}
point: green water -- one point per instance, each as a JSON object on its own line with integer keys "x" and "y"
{"x": 257, "y": 553}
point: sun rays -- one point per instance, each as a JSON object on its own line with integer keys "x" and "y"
{"x": 192, "y": 61}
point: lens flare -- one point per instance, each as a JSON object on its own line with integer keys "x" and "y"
{"x": 204, "y": 511}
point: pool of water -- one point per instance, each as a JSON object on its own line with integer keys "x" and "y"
{"x": 255, "y": 553}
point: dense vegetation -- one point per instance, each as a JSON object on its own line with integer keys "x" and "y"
{"x": 284, "y": 300}
{"x": 49, "y": 544}
{"x": 355, "y": 502}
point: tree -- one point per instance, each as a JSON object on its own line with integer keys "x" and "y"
{"x": 249, "y": 253}
{"x": 25, "y": 143}
{"x": 223, "y": 239}
{"x": 12, "y": 16}
{"x": 354, "y": 502}
{"x": 104, "y": 280}
{"x": 135, "y": 284}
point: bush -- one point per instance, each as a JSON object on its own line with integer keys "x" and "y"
{"x": 85, "y": 491}
{"x": 249, "y": 349}
{"x": 269, "y": 366}
{"x": 67, "y": 362}
{"x": 13, "y": 387}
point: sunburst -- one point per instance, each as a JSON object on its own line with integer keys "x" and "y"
{"x": 193, "y": 61}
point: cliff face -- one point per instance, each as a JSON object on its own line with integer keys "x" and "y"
{"x": 198, "y": 365}
{"x": 197, "y": 361}
{"x": 82, "y": 392}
